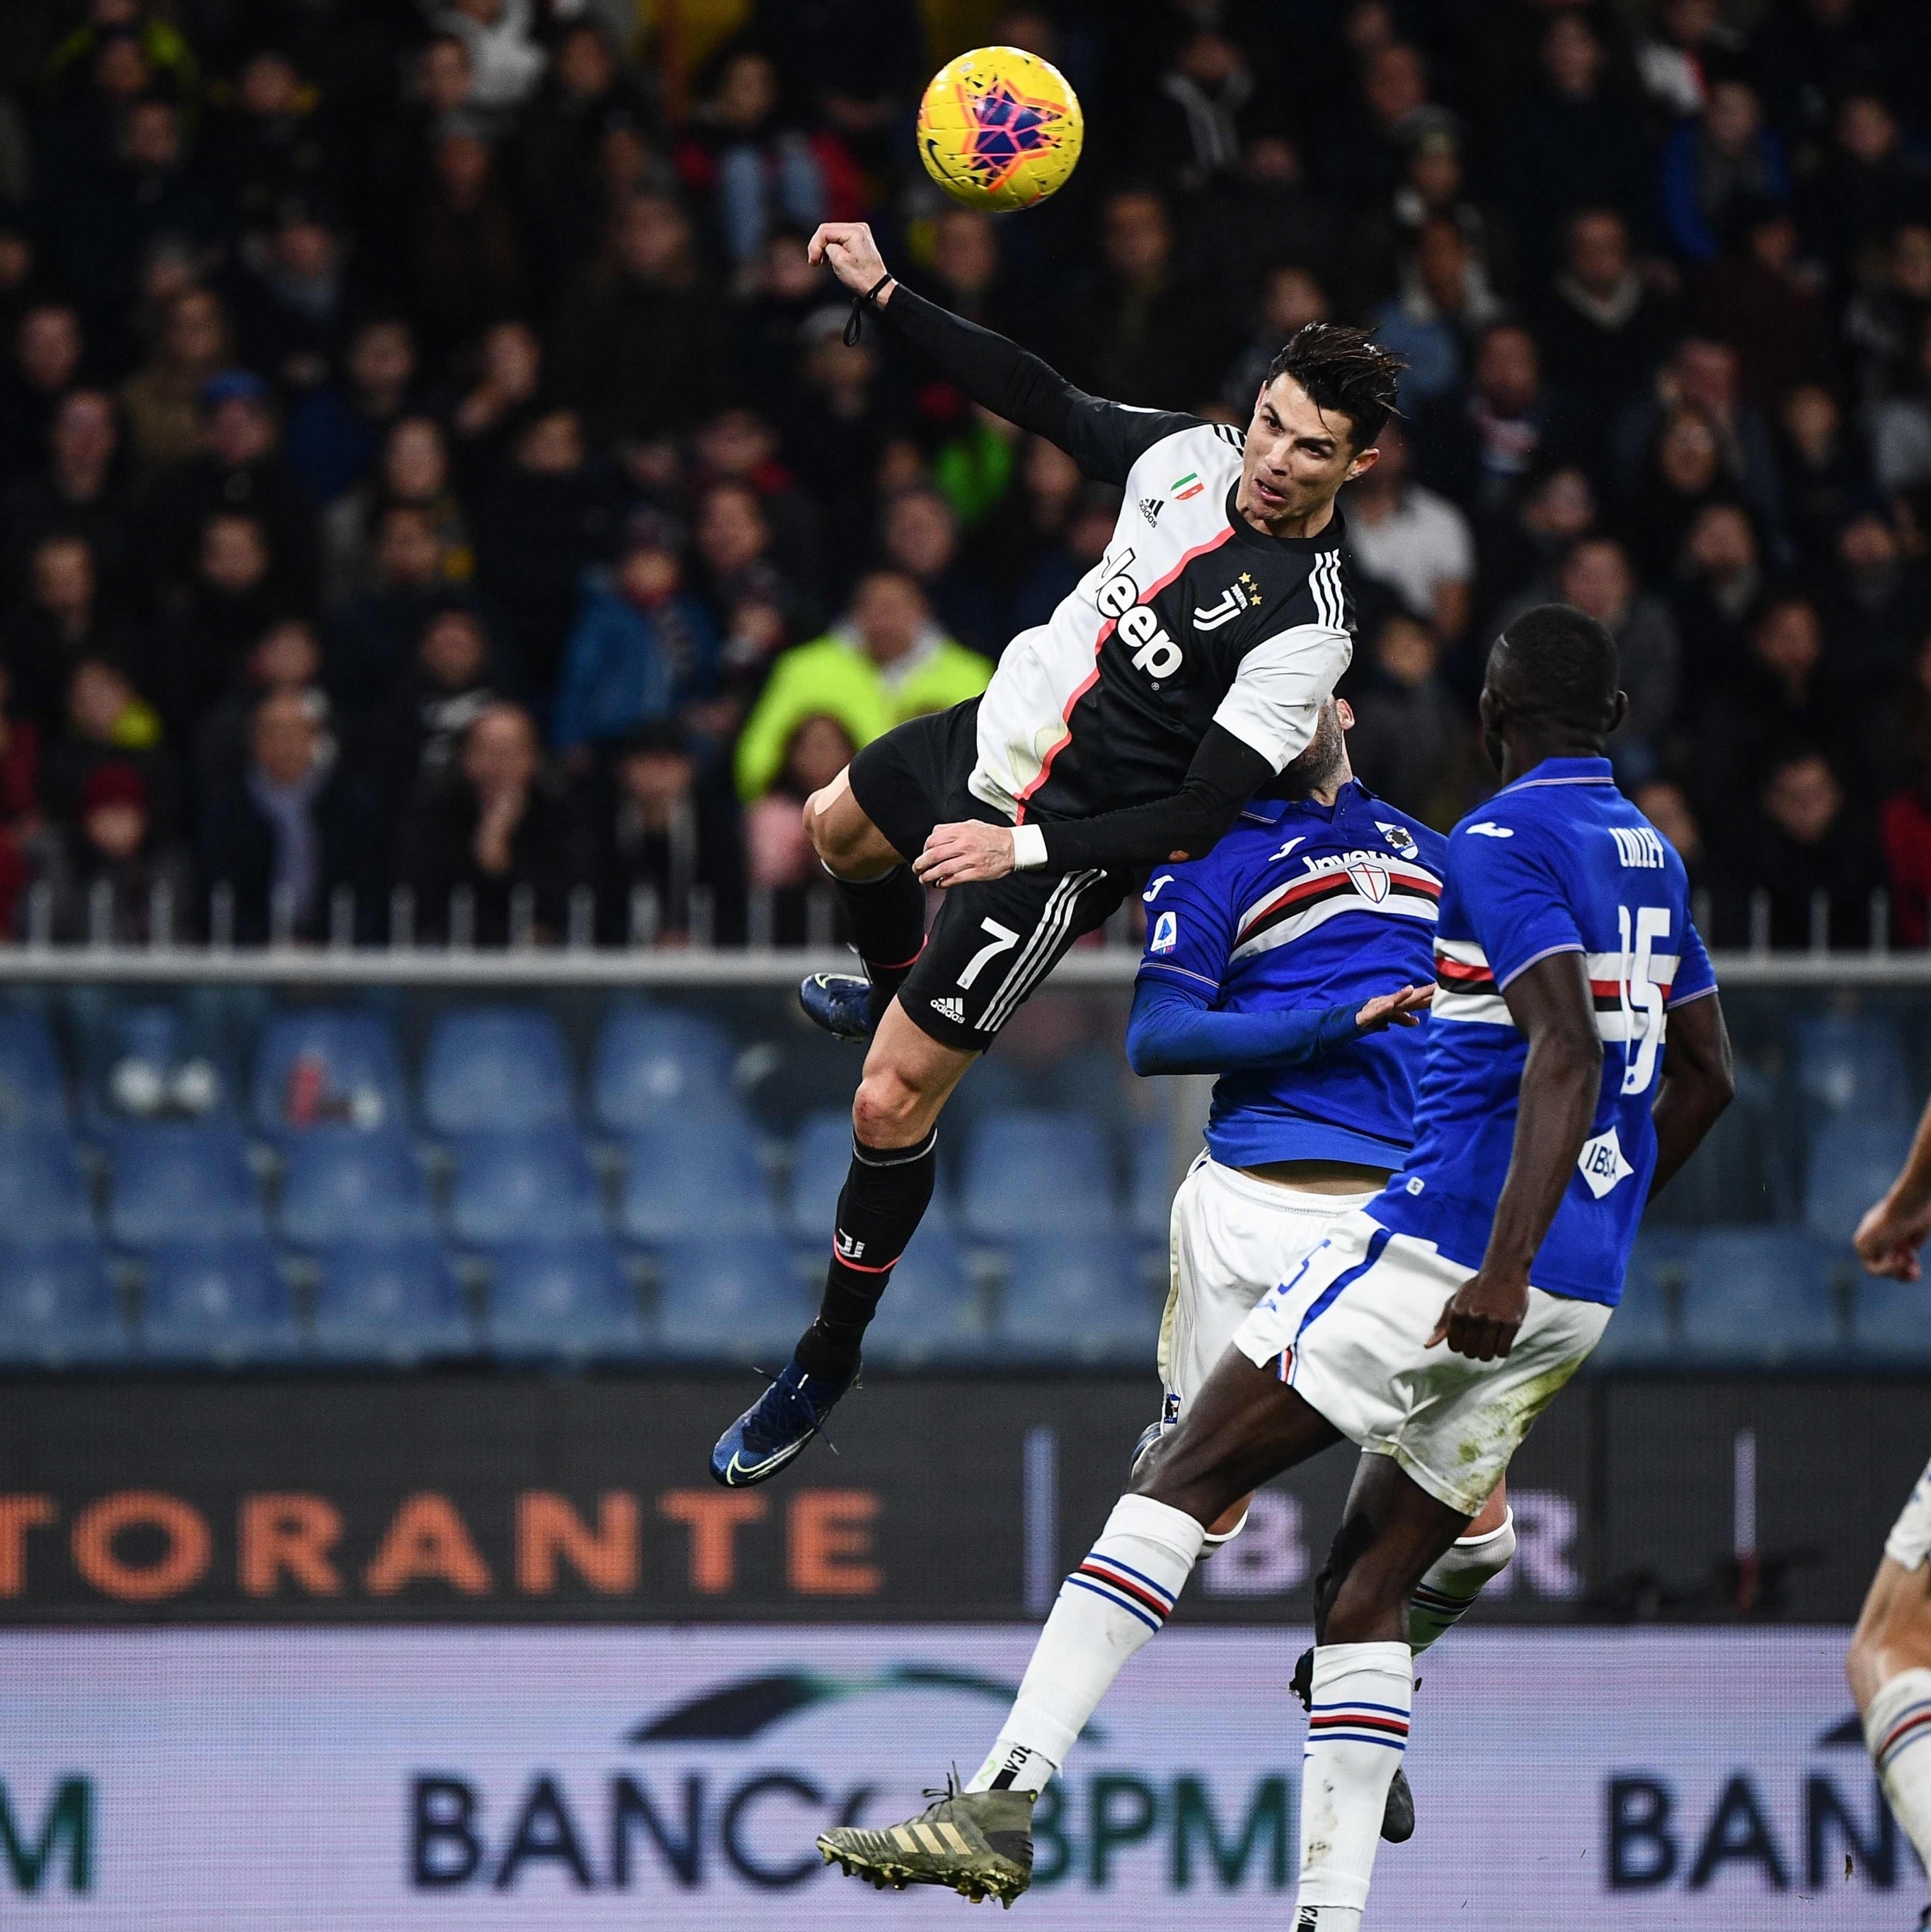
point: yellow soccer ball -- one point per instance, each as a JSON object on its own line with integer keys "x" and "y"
{"x": 999, "y": 129}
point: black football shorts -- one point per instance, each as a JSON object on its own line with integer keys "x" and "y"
{"x": 994, "y": 940}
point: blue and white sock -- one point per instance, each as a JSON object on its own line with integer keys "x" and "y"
{"x": 1117, "y": 1599}
{"x": 1454, "y": 1580}
{"x": 1897, "y": 1730}
{"x": 1357, "y": 1731}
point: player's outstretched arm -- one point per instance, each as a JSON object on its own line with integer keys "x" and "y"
{"x": 1105, "y": 439}
{"x": 1561, "y": 1080}
{"x": 1173, "y": 1030}
{"x": 1890, "y": 1235}
{"x": 1699, "y": 1081}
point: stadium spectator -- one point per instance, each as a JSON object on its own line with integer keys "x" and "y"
{"x": 47, "y": 352}
{"x": 286, "y": 657}
{"x": 372, "y": 635}
{"x": 107, "y": 722}
{"x": 1603, "y": 329}
{"x": 1410, "y": 742}
{"x": 1711, "y": 162}
{"x": 1759, "y": 297}
{"x": 412, "y": 739}
{"x": 1139, "y": 330}
{"x": 1822, "y": 472}
{"x": 496, "y": 834}
{"x": 501, "y": 37}
{"x": 1403, "y": 535}
{"x": 1083, "y": 540}
{"x": 292, "y": 302}
{"x": 1290, "y": 298}
{"x": 414, "y": 469}
{"x": 885, "y": 662}
{"x": 110, "y": 878}
{"x": 754, "y": 168}
{"x": 1809, "y": 854}
{"x": 636, "y": 341}
{"x": 231, "y": 598}
{"x": 60, "y": 621}
{"x": 467, "y": 256}
{"x": 1596, "y": 577}
{"x": 338, "y": 428}
{"x": 81, "y": 491}
{"x": 662, "y": 831}
{"x": 509, "y": 371}
{"x": 19, "y": 804}
{"x": 920, "y": 537}
{"x": 641, "y": 649}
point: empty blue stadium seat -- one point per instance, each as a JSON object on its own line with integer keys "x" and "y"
{"x": 178, "y": 1183}
{"x": 930, "y": 1313}
{"x": 396, "y": 1301}
{"x": 821, "y": 1157}
{"x": 1852, "y": 1162}
{"x": 1151, "y": 1211}
{"x": 325, "y": 1066}
{"x": 1077, "y": 1300}
{"x": 566, "y": 1299}
{"x": 524, "y": 1186}
{"x": 736, "y": 1298}
{"x": 495, "y": 1067}
{"x": 1757, "y": 1296}
{"x": 1853, "y": 1064}
{"x": 1643, "y": 1328}
{"x": 1891, "y": 1321}
{"x": 342, "y": 1184}
{"x": 651, "y": 1066}
{"x": 43, "y": 1194}
{"x": 32, "y": 1092}
{"x": 691, "y": 1178}
{"x": 220, "y": 1302}
{"x": 154, "y": 1061}
{"x": 1036, "y": 1174}
{"x": 58, "y": 1308}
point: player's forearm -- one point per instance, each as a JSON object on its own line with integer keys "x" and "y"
{"x": 1910, "y": 1193}
{"x": 1169, "y": 1033}
{"x": 992, "y": 370}
{"x": 1225, "y": 772}
{"x": 1699, "y": 1081}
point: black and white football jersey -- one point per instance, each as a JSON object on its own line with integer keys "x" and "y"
{"x": 1192, "y": 617}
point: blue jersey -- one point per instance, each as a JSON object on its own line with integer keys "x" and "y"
{"x": 1558, "y": 861}
{"x": 1307, "y": 905}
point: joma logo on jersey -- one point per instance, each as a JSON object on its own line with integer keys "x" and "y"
{"x": 1639, "y": 845}
{"x": 1154, "y": 650}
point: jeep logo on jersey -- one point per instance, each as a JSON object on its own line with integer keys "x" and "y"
{"x": 1154, "y": 650}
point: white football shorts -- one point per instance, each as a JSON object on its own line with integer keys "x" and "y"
{"x": 1347, "y": 1331}
{"x": 1909, "y": 1542}
{"x": 1232, "y": 1238}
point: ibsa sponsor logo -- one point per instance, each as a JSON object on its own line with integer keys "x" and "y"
{"x": 1656, "y": 1838}
{"x": 714, "y": 1801}
{"x": 49, "y": 1849}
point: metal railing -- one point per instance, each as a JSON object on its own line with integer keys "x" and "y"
{"x": 658, "y": 951}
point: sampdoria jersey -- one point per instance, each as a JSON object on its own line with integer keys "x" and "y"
{"x": 1558, "y": 861}
{"x": 1306, "y": 905}
{"x": 1192, "y": 617}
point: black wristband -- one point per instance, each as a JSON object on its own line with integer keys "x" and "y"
{"x": 854, "y": 323}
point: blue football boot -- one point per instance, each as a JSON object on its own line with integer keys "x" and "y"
{"x": 776, "y": 1426}
{"x": 841, "y": 1003}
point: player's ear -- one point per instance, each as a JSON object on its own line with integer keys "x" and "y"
{"x": 1363, "y": 463}
{"x": 1618, "y": 711}
{"x": 1344, "y": 714}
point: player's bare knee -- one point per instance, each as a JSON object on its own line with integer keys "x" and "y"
{"x": 888, "y": 1109}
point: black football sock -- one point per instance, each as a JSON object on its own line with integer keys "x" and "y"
{"x": 884, "y": 1199}
{"x": 887, "y": 917}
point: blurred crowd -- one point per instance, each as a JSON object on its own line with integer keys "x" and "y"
{"x": 427, "y": 460}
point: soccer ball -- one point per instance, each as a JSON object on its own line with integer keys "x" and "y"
{"x": 999, "y": 129}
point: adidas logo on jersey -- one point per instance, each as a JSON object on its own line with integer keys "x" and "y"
{"x": 954, "y": 1010}
{"x": 1150, "y": 507}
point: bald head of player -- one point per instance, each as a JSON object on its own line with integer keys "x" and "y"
{"x": 1327, "y": 396}
{"x": 1550, "y": 691}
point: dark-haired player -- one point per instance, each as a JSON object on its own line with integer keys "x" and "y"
{"x": 1185, "y": 670}
{"x": 1547, "y": 1118}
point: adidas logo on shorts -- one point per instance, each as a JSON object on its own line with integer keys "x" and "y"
{"x": 954, "y": 1010}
